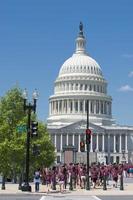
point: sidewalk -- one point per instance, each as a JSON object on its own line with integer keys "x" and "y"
{"x": 128, "y": 190}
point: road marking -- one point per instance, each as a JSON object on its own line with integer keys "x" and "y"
{"x": 96, "y": 198}
{"x": 43, "y": 198}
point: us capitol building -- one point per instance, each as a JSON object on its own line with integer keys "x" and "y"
{"x": 80, "y": 79}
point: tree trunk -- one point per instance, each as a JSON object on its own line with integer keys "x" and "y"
{"x": 3, "y": 183}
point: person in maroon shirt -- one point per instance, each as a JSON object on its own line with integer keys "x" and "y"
{"x": 48, "y": 179}
{"x": 82, "y": 175}
{"x": 115, "y": 173}
{"x": 94, "y": 175}
{"x": 61, "y": 179}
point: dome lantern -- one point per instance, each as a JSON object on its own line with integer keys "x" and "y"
{"x": 80, "y": 41}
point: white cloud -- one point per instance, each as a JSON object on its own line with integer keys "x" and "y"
{"x": 130, "y": 74}
{"x": 127, "y": 55}
{"x": 126, "y": 88}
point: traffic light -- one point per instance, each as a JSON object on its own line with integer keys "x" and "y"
{"x": 88, "y": 136}
{"x": 82, "y": 146}
{"x": 34, "y": 128}
{"x": 36, "y": 149}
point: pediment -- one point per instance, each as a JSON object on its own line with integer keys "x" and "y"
{"x": 80, "y": 127}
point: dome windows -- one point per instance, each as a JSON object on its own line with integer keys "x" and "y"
{"x": 85, "y": 87}
{"x": 76, "y": 86}
{"x": 81, "y": 86}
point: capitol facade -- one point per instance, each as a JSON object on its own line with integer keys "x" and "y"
{"x": 80, "y": 79}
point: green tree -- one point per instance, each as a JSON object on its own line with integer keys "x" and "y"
{"x": 13, "y": 143}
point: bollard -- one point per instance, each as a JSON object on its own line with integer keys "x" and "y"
{"x": 121, "y": 182}
{"x": 20, "y": 182}
{"x": 71, "y": 184}
{"x": 104, "y": 183}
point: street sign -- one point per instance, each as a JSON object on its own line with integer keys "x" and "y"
{"x": 21, "y": 128}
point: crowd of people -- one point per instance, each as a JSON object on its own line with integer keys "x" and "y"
{"x": 75, "y": 174}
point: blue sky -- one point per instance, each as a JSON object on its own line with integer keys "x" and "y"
{"x": 37, "y": 36}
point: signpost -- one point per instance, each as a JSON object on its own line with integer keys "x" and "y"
{"x": 21, "y": 128}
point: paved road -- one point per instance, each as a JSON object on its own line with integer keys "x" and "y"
{"x": 114, "y": 197}
{"x": 61, "y": 197}
{"x": 19, "y": 197}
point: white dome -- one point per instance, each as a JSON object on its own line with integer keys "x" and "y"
{"x": 80, "y": 78}
{"x": 80, "y": 64}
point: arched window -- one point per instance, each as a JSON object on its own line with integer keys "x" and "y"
{"x": 85, "y": 87}
{"x": 81, "y": 86}
{"x": 72, "y": 86}
{"x": 76, "y": 86}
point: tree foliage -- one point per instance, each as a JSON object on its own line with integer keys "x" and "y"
{"x": 13, "y": 143}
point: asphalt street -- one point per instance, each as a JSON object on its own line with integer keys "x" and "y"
{"x": 61, "y": 197}
{"x": 114, "y": 197}
{"x": 19, "y": 197}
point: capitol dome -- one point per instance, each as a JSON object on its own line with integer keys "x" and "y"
{"x": 80, "y": 64}
{"x": 80, "y": 79}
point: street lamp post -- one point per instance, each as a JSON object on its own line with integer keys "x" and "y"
{"x": 29, "y": 107}
{"x": 88, "y": 146}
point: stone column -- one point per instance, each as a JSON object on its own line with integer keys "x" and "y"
{"x": 73, "y": 140}
{"x": 79, "y": 144}
{"x": 83, "y": 106}
{"x": 99, "y": 107}
{"x": 91, "y": 145}
{"x": 61, "y": 142}
{"x": 52, "y": 107}
{"x": 94, "y": 106}
{"x": 108, "y": 148}
{"x": 67, "y": 107}
{"x": 114, "y": 143}
{"x": 67, "y": 139}
{"x": 89, "y": 107}
{"x": 126, "y": 150}
{"x": 120, "y": 145}
{"x": 103, "y": 142}
{"x": 55, "y": 107}
{"x": 73, "y": 107}
{"x": 58, "y": 107}
{"x": 97, "y": 143}
{"x": 61, "y": 106}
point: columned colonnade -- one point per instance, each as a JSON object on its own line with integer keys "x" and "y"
{"x": 97, "y": 145}
{"x": 68, "y": 106}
